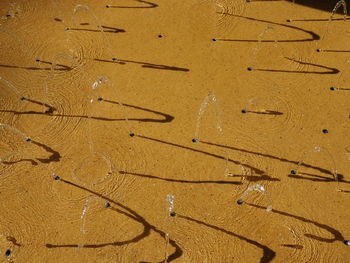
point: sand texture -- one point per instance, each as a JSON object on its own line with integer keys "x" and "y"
{"x": 197, "y": 131}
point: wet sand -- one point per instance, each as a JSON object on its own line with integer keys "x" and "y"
{"x": 131, "y": 128}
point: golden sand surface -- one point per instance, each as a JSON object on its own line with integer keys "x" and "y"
{"x": 131, "y": 128}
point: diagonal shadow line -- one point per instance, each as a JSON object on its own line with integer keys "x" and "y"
{"x": 331, "y": 70}
{"x": 111, "y": 30}
{"x": 271, "y": 156}
{"x": 254, "y": 178}
{"x": 144, "y": 64}
{"x": 33, "y": 68}
{"x": 129, "y": 213}
{"x": 149, "y": 5}
{"x": 268, "y": 253}
{"x": 181, "y": 181}
{"x": 313, "y": 35}
{"x": 318, "y": 20}
{"x": 266, "y": 112}
{"x": 167, "y": 117}
{"x": 334, "y": 51}
{"x": 317, "y": 178}
{"x": 60, "y": 65}
{"x": 337, "y": 236}
{"x": 256, "y": 170}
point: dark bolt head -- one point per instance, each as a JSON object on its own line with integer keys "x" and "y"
{"x": 37, "y": 60}
{"x": 347, "y": 242}
{"x": 194, "y": 140}
{"x": 99, "y": 98}
{"x": 107, "y": 6}
{"x": 244, "y": 111}
{"x": 8, "y": 252}
{"x": 289, "y": 20}
{"x": 66, "y": 28}
{"x": 23, "y": 98}
{"x": 172, "y": 214}
{"x": 325, "y": 131}
{"x": 293, "y": 172}
{"x": 160, "y": 35}
{"x": 132, "y": 134}
{"x": 318, "y": 50}
{"x": 114, "y": 59}
{"x": 107, "y": 205}
{"x": 333, "y": 88}
{"x": 57, "y": 178}
{"x": 28, "y": 140}
{"x": 240, "y": 202}
{"x": 213, "y": 39}
{"x": 249, "y": 69}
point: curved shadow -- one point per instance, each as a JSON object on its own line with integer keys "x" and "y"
{"x": 148, "y": 5}
{"x": 337, "y": 236}
{"x": 167, "y": 117}
{"x": 268, "y": 253}
{"x": 13, "y": 241}
{"x": 181, "y": 181}
{"x": 54, "y": 157}
{"x": 330, "y": 70}
{"x": 313, "y": 35}
{"x": 50, "y": 112}
{"x": 322, "y": 170}
{"x": 123, "y": 209}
